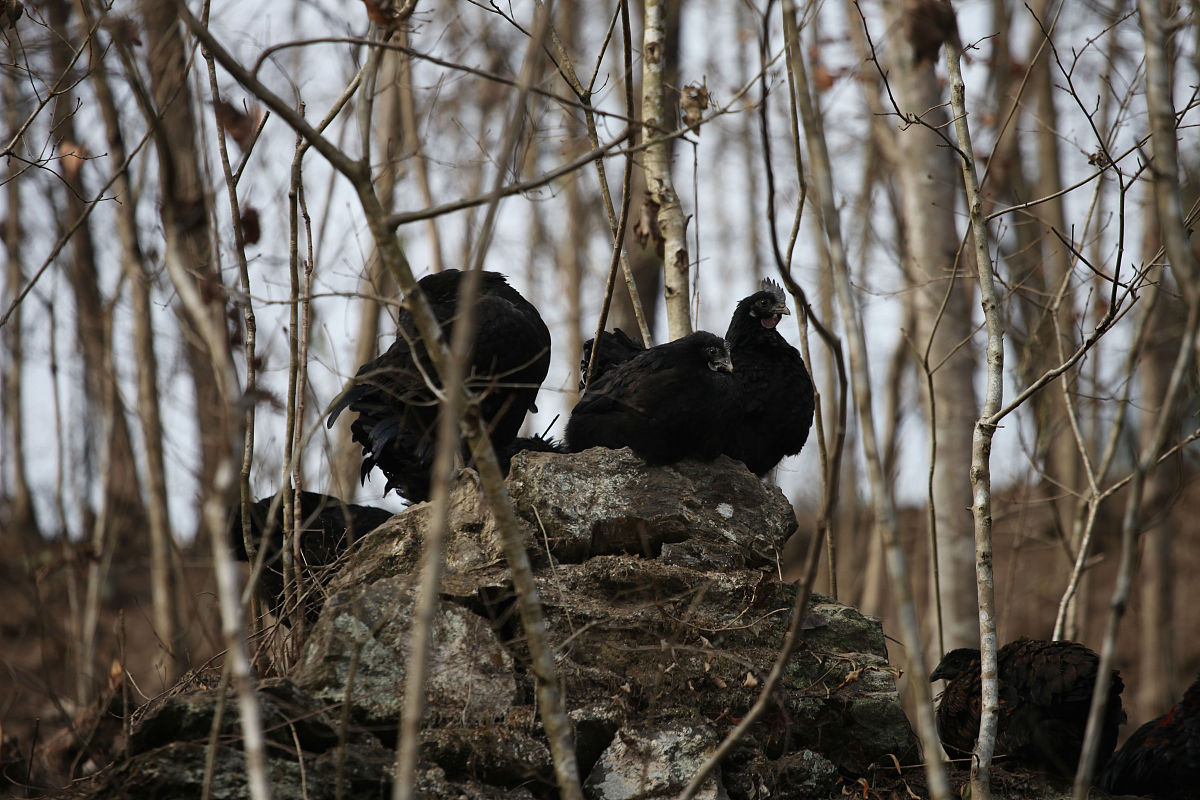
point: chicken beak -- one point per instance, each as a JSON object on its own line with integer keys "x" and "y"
{"x": 721, "y": 364}
{"x": 781, "y": 309}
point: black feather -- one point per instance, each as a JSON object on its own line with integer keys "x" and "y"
{"x": 616, "y": 347}
{"x": 1161, "y": 759}
{"x": 776, "y": 390}
{"x": 1045, "y": 692}
{"x": 326, "y": 528}
{"x": 677, "y": 400}
{"x": 397, "y": 412}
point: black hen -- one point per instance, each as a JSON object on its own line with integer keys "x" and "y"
{"x": 1045, "y": 693}
{"x": 397, "y": 411}
{"x": 326, "y": 528}
{"x": 777, "y": 393}
{"x": 1161, "y": 759}
{"x": 677, "y": 400}
{"x": 616, "y": 347}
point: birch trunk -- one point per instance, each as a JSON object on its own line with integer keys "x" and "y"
{"x": 663, "y": 209}
{"x": 943, "y": 294}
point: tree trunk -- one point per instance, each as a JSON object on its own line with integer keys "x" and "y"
{"x": 163, "y": 601}
{"x": 17, "y": 514}
{"x": 927, "y": 174}
{"x": 395, "y": 109}
{"x": 186, "y": 210}
{"x": 663, "y": 220}
{"x": 122, "y": 502}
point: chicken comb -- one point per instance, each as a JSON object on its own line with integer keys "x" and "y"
{"x": 768, "y": 285}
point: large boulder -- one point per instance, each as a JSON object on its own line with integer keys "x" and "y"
{"x": 660, "y": 594}
{"x": 663, "y": 605}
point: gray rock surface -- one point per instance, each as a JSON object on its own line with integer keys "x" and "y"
{"x": 655, "y": 760}
{"x": 660, "y": 594}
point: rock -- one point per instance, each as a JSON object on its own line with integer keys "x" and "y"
{"x": 359, "y": 648}
{"x": 692, "y": 513}
{"x": 802, "y": 775}
{"x": 655, "y": 760}
{"x": 305, "y": 746}
{"x": 661, "y": 602}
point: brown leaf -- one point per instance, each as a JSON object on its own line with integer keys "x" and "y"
{"x": 928, "y": 24}
{"x": 10, "y": 12}
{"x": 124, "y": 30}
{"x": 822, "y": 78}
{"x": 241, "y": 125}
{"x": 72, "y": 156}
{"x": 694, "y": 101}
{"x": 645, "y": 228}
{"x": 388, "y": 13}
{"x": 251, "y": 229}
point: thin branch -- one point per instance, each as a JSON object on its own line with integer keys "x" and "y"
{"x": 981, "y": 441}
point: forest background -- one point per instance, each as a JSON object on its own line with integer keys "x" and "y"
{"x": 188, "y": 283}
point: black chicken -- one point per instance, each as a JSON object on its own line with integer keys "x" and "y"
{"x": 677, "y": 400}
{"x": 326, "y": 528}
{"x": 776, "y": 391}
{"x": 397, "y": 410}
{"x": 1161, "y": 759}
{"x": 1045, "y": 691}
{"x": 616, "y": 347}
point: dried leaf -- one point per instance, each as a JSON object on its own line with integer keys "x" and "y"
{"x": 71, "y": 156}
{"x": 693, "y": 103}
{"x": 251, "y": 229}
{"x": 123, "y": 29}
{"x": 928, "y": 24}
{"x": 241, "y": 125}
{"x": 388, "y": 13}
{"x": 750, "y": 681}
{"x": 10, "y": 12}
{"x": 645, "y": 229}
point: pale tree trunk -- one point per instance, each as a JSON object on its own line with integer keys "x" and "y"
{"x": 927, "y": 178}
{"x": 1056, "y": 453}
{"x": 663, "y": 212}
{"x": 122, "y": 503}
{"x": 882, "y": 494}
{"x": 570, "y": 246}
{"x": 20, "y": 521}
{"x": 186, "y": 211}
{"x": 163, "y": 601}
{"x": 1038, "y": 262}
{"x": 1169, "y": 213}
{"x": 644, "y": 259}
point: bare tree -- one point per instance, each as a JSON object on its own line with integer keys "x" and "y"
{"x": 943, "y": 300}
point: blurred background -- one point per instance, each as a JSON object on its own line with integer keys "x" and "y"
{"x": 128, "y": 272}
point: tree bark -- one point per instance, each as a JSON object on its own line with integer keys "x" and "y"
{"x": 663, "y": 213}
{"x": 163, "y": 601}
{"x": 943, "y": 305}
{"x": 16, "y": 509}
{"x": 122, "y": 507}
{"x": 186, "y": 209}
